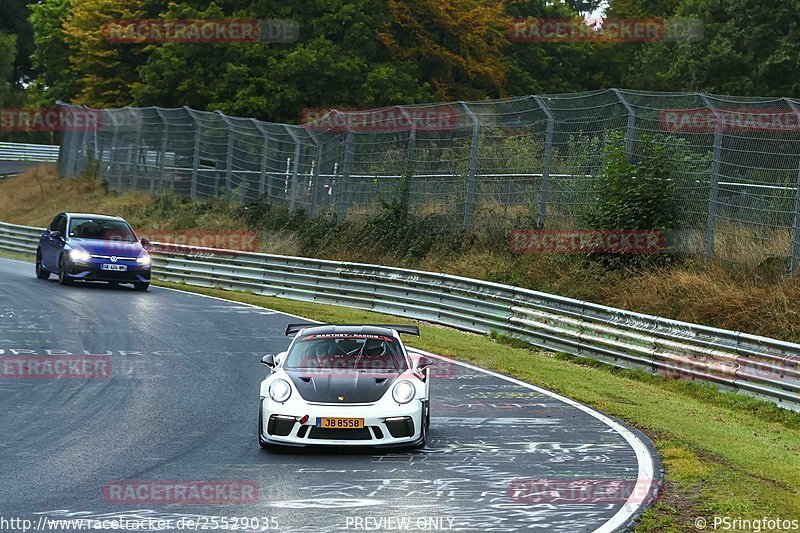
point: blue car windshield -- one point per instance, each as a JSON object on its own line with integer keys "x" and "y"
{"x": 347, "y": 352}
{"x": 102, "y": 229}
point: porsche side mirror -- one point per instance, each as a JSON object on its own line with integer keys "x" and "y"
{"x": 268, "y": 360}
{"x": 56, "y": 234}
{"x": 423, "y": 363}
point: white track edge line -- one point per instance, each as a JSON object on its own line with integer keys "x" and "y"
{"x": 646, "y": 467}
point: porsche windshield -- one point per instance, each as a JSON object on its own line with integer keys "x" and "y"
{"x": 347, "y": 352}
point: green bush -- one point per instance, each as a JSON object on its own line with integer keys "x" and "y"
{"x": 633, "y": 195}
{"x": 636, "y": 194}
{"x": 262, "y": 214}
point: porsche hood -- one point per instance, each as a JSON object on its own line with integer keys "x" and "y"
{"x": 338, "y": 387}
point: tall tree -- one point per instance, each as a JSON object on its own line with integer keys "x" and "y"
{"x": 616, "y": 64}
{"x": 748, "y": 47}
{"x": 457, "y": 43}
{"x": 14, "y": 21}
{"x": 8, "y": 44}
{"x": 56, "y": 80}
{"x": 337, "y": 62}
{"x": 584, "y": 7}
{"x": 107, "y": 70}
{"x": 547, "y": 67}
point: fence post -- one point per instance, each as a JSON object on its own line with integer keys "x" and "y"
{"x": 67, "y": 148}
{"x": 228, "y": 160}
{"x": 631, "y": 132}
{"x": 94, "y": 140}
{"x": 473, "y": 168}
{"x": 295, "y": 168}
{"x": 83, "y": 146}
{"x": 795, "y": 258}
{"x": 316, "y": 186}
{"x": 408, "y": 171}
{"x": 713, "y": 192}
{"x": 344, "y": 183}
{"x": 196, "y": 158}
{"x": 113, "y": 155}
{"x": 264, "y": 158}
{"x": 163, "y": 156}
{"x": 548, "y": 148}
{"x": 135, "y": 150}
{"x": 100, "y": 148}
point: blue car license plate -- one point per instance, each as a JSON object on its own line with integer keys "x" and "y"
{"x": 121, "y": 268}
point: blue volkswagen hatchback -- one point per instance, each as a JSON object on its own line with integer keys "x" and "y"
{"x": 86, "y": 247}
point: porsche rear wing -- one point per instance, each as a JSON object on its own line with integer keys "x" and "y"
{"x": 400, "y": 328}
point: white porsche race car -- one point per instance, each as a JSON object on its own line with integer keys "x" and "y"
{"x": 345, "y": 385}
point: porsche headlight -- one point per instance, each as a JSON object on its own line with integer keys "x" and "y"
{"x": 79, "y": 255}
{"x": 143, "y": 259}
{"x": 403, "y": 392}
{"x": 280, "y": 390}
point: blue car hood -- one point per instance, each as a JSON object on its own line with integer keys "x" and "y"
{"x": 118, "y": 248}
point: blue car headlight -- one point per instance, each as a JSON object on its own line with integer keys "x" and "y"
{"x": 143, "y": 259}
{"x": 79, "y": 256}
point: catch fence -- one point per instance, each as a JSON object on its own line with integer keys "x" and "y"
{"x": 497, "y": 164}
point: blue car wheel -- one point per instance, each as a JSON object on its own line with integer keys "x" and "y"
{"x": 63, "y": 278}
{"x": 41, "y": 273}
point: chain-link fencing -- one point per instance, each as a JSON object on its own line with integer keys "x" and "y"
{"x": 501, "y": 164}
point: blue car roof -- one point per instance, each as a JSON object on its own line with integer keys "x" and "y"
{"x": 93, "y": 215}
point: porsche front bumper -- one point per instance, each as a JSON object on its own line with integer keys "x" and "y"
{"x": 384, "y": 426}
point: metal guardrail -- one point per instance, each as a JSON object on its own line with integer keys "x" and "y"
{"x": 36, "y": 153}
{"x": 760, "y": 366}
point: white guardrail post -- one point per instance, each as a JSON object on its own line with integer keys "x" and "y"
{"x": 764, "y": 367}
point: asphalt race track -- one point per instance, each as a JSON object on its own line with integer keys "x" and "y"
{"x": 180, "y": 403}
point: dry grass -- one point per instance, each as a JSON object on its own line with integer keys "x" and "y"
{"x": 36, "y": 196}
{"x": 740, "y": 291}
{"x": 748, "y": 247}
{"x": 715, "y": 295}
